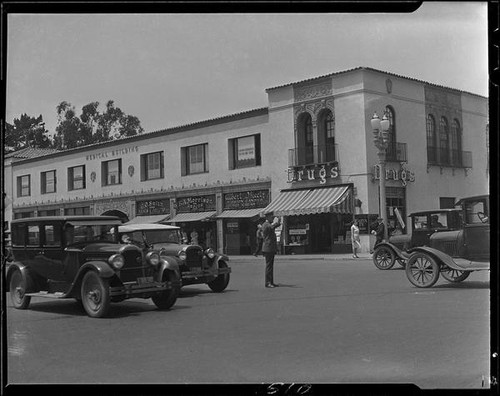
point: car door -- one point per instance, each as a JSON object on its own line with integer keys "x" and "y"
{"x": 52, "y": 251}
{"x": 420, "y": 230}
{"x": 477, "y": 230}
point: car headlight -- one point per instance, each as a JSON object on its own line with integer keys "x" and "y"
{"x": 182, "y": 255}
{"x": 153, "y": 258}
{"x": 116, "y": 261}
{"x": 210, "y": 253}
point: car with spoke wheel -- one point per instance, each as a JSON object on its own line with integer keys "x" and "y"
{"x": 81, "y": 257}
{"x": 196, "y": 265}
{"x": 454, "y": 254}
{"x": 423, "y": 224}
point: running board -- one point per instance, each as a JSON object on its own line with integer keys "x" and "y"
{"x": 47, "y": 294}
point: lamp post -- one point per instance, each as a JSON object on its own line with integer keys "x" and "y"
{"x": 381, "y": 141}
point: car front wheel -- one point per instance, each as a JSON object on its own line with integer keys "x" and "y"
{"x": 166, "y": 298}
{"x": 453, "y": 275}
{"x": 17, "y": 289}
{"x": 220, "y": 283}
{"x": 384, "y": 258}
{"x": 95, "y": 295}
{"x": 422, "y": 270}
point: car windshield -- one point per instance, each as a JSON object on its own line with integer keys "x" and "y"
{"x": 86, "y": 233}
{"x": 162, "y": 236}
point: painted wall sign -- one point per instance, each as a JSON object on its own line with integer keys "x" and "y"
{"x": 246, "y": 200}
{"x": 112, "y": 153}
{"x": 153, "y": 207}
{"x": 313, "y": 172}
{"x": 203, "y": 203}
{"x": 403, "y": 174}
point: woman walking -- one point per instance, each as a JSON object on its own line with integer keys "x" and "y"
{"x": 356, "y": 244}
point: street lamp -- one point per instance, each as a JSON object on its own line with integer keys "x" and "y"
{"x": 381, "y": 141}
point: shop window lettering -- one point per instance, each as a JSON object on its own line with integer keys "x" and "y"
{"x": 403, "y": 174}
{"x": 320, "y": 173}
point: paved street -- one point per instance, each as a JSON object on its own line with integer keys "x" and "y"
{"x": 331, "y": 321}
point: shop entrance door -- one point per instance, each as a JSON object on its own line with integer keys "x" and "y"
{"x": 321, "y": 233}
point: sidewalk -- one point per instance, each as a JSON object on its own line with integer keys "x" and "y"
{"x": 319, "y": 256}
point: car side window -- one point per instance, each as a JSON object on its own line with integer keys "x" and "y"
{"x": 475, "y": 212}
{"x": 33, "y": 235}
{"x": 52, "y": 235}
{"x": 19, "y": 234}
{"x": 420, "y": 222}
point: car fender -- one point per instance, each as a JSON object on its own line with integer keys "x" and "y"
{"x": 437, "y": 254}
{"x": 397, "y": 251}
{"x": 101, "y": 267}
{"x": 169, "y": 263}
{"x": 25, "y": 272}
{"x": 221, "y": 257}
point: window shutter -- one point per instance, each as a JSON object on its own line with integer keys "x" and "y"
{"x": 161, "y": 165}
{"x": 120, "y": 171}
{"x": 104, "y": 173}
{"x": 231, "y": 153}
{"x": 55, "y": 181}
{"x": 43, "y": 182}
{"x": 144, "y": 165}
{"x": 84, "y": 177}
{"x": 183, "y": 161}
{"x": 205, "y": 152}
{"x": 18, "y": 186}
{"x": 70, "y": 178}
{"x": 257, "y": 150}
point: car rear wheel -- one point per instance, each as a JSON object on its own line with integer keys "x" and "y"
{"x": 453, "y": 275}
{"x": 384, "y": 258}
{"x": 95, "y": 295}
{"x": 422, "y": 270}
{"x": 17, "y": 289}
{"x": 167, "y": 298}
{"x": 220, "y": 283}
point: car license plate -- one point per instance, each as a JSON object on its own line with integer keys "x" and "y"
{"x": 146, "y": 279}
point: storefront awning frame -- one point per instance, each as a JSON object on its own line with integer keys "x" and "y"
{"x": 192, "y": 217}
{"x": 150, "y": 219}
{"x": 240, "y": 213}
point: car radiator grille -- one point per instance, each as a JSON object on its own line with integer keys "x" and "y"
{"x": 450, "y": 248}
{"x": 133, "y": 267}
{"x": 194, "y": 257}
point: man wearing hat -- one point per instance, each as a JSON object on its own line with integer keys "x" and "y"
{"x": 269, "y": 246}
{"x": 378, "y": 231}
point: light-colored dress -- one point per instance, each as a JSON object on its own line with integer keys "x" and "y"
{"x": 355, "y": 237}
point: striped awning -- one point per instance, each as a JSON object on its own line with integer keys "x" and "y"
{"x": 326, "y": 200}
{"x": 336, "y": 199}
{"x": 189, "y": 217}
{"x": 240, "y": 214}
{"x": 149, "y": 219}
{"x": 286, "y": 202}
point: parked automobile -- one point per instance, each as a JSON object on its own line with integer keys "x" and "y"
{"x": 423, "y": 225}
{"x": 81, "y": 257}
{"x": 197, "y": 266}
{"x": 455, "y": 254}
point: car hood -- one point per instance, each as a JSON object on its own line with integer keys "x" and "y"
{"x": 173, "y": 248}
{"x": 103, "y": 247}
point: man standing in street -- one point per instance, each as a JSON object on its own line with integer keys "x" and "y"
{"x": 378, "y": 232}
{"x": 269, "y": 247}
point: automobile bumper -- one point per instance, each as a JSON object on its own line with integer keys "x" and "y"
{"x": 201, "y": 275}
{"x": 135, "y": 288}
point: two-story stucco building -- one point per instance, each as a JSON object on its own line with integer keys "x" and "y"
{"x": 308, "y": 157}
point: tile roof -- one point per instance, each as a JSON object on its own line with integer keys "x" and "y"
{"x": 31, "y": 152}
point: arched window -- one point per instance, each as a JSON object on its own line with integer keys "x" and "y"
{"x": 391, "y": 147}
{"x": 326, "y": 136}
{"x": 305, "y": 141}
{"x": 431, "y": 139}
{"x": 444, "y": 141}
{"x": 456, "y": 143}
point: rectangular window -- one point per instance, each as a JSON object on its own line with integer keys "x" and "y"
{"x": 446, "y": 202}
{"x": 83, "y": 210}
{"x": 52, "y": 212}
{"x": 48, "y": 182}
{"x": 19, "y": 234}
{"x": 112, "y": 172}
{"x": 152, "y": 166}
{"x": 244, "y": 152}
{"x": 34, "y": 235}
{"x": 52, "y": 235}
{"x": 24, "y": 186}
{"x": 76, "y": 178}
{"x": 23, "y": 215}
{"x": 194, "y": 159}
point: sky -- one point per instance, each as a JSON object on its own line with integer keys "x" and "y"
{"x": 175, "y": 69}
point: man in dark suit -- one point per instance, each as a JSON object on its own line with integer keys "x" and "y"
{"x": 379, "y": 231}
{"x": 269, "y": 247}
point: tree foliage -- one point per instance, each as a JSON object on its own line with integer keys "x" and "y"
{"x": 26, "y": 131}
{"x": 93, "y": 126}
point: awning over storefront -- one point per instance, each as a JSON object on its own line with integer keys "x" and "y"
{"x": 325, "y": 200}
{"x": 336, "y": 199}
{"x": 286, "y": 202}
{"x": 189, "y": 217}
{"x": 240, "y": 214}
{"x": 149, "y": 219}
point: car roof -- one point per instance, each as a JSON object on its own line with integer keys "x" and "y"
{"x": 473, "y": 198}
{"x": 435, "y": 211}
{"x": 146, "y": 227}
{"x": 111, "y": 219}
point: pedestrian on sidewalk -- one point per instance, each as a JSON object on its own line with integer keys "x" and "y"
{"x": 356, "y": 243}
{"x": 258, "y": 240}
{"x": 378, "y": 231}
{"x": 269, "y": 247}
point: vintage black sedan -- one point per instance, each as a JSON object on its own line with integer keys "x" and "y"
{"x": 455, "y": 254}
{"x": 423, "y": 225}
{"x": 197, "y": 266}
{"x": 81, "y": 257}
